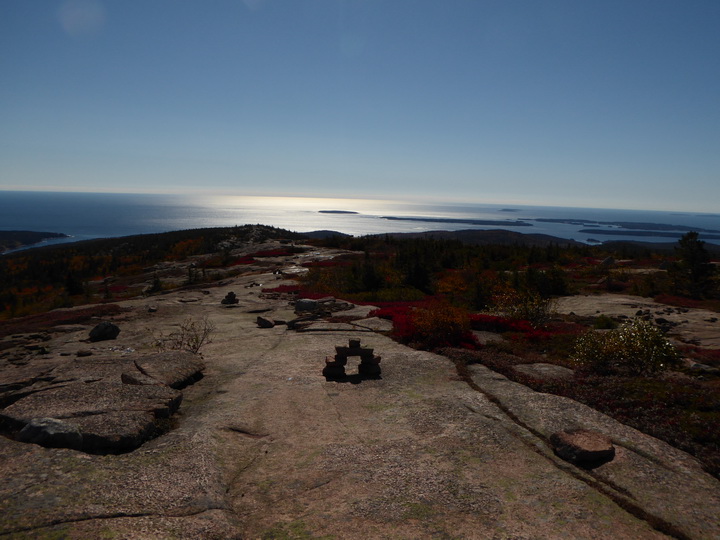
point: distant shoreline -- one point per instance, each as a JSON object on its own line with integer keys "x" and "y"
{"x": 12, "y": 240}
{"x": 86, "y": 216}
{"x": 487, "y": 222}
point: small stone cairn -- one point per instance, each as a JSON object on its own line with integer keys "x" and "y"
{"x": 230, "y": 299}
{"x": 335, "y": 366}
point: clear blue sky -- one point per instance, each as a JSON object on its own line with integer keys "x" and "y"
{"x": 597, "y": 103}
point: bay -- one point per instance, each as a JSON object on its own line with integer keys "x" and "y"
{"x": 100, "y": 215}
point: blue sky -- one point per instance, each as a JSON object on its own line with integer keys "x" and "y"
{"x": 595, "y": 103}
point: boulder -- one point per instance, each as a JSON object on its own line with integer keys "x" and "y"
{"x": 104, "y": 331}
{"x": 264, "y": 322}
{"x": 305, "y": 304}
{"x": 583, "y": 447}
{"x": 52, "y": 433}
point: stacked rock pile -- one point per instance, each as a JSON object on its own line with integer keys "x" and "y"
{"x": 369, "y": 363}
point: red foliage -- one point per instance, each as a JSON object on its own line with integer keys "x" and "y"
{"x": 678, "y": 301}
{"x": 404, "y": 316}
{"x": 118, "y": 288}
{"x": 495, "y": 323}
{"x": 391, "y": 310}
{"x": 289, "y": 289}
{"x": 246, "y": 259}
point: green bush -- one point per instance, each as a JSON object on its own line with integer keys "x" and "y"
{"x": 637, "y": 348}
{"x": 603, "y": 322}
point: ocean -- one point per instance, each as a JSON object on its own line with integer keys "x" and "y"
{"x": 84, "y": 216}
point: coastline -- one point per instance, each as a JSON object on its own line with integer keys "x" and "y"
{"x": 15, "y": 240}
{"x": 84, "y": 216}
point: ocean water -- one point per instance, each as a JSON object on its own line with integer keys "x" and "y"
{"x": 99, "y": 215}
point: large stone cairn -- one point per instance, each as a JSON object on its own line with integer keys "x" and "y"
{"x": 369, "y": 363}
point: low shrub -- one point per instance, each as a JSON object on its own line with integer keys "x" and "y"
{"x": 524, "y": 307}
{"x": 603, "y": 322}
{"x": 191, "y": 336}
{"x": 637, "y": 348}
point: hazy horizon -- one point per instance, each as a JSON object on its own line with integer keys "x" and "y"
{"x": 599, "y": 104}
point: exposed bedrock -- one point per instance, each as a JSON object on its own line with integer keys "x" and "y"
{"x": 96, "y": 404}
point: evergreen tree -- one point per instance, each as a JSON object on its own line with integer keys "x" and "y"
{"x": 693, "y": 273}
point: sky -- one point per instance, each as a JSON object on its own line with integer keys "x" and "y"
{"x": 591, "y": 103}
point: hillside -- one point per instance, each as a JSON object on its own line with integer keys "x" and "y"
{"x": 264, "y": 446}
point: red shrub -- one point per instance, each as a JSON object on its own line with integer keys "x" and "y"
{"x": 289, "y": 289}
{"x": 678, "y": 301}
{"x": 429, "y": 323}
{"x": 117, "y": 288}
{"x": 246, "y": 259}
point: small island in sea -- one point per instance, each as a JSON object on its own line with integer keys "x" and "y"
{"x": 18, "y": 239}
{"x": 337, "y": 212}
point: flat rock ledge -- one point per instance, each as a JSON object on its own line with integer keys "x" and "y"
{"x": 545, "y": 372}
{"x": 176, "y": 369}
{"x": 110, "y": 417}
{"x": 99, "y": 405}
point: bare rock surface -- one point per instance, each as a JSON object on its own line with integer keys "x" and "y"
{"x": 175, "y": 369}
{"x": 265, "y": 447}
{"x": 646, "y": 476}
{"x": 697, "y": 326}
{"x": 545, "y": 372}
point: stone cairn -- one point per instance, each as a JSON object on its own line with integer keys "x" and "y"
{"x": 335, "y": 366}
{"x": 230, "y": 299}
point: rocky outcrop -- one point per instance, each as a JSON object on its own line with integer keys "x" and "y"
{"x": 175, "y": 369}
{"x": 114, "y": 403}
{"x": 52, "y": 433}
{"x": 110, "y": 417}
{"x": 545, "y": 372}
{"x": 649, "y": 477}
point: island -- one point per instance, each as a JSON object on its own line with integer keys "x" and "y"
{"x": 10, "y": 240}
